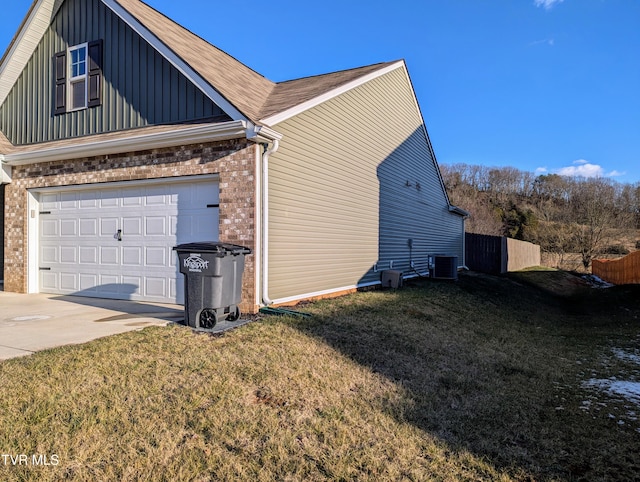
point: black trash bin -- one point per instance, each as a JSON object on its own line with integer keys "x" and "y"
{"x": 212, "y": 282}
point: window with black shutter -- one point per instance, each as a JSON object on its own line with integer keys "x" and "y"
{"x": 78, "y": 77}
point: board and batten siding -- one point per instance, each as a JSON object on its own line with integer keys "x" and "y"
{"x": 140, "y": 87}
{"x": 352, "y": 182}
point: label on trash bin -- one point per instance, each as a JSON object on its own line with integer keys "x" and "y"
{"x": 195, "y": 263}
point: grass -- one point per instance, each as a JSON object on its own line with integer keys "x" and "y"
{"x": 482, "y": 379}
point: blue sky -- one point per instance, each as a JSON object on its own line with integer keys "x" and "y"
{"x": 548, "y": 86}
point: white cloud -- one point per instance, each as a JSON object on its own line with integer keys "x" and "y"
{"x": 616, "y": 173}
{"x": 541, "y": 170}
{"x": 548, "y": 41}
{"x": 582, "y": 168}
{"x": 546, "y": 4}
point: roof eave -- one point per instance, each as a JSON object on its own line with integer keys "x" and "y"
{"x": 279, "y": 117}
{"x": 459, "y": 211}
{"x": 140, "y": 142}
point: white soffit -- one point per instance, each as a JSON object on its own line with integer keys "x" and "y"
{"x": 27, "y": 39}
{"x": 298, "y": 109}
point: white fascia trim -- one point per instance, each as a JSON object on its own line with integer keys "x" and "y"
{"x": 176, "y": 61}
{"x": 261, "y": 134}
{"x": 287, "y": 114}
{"x": 186, "y": 136}
{"x": 315, "y": 294}
{"x": 35, "y": 25}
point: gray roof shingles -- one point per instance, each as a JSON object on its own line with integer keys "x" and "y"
{"x": 255, "y": 96}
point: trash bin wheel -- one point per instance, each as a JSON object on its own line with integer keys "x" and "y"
{"x": 234, "y": 314}
{"x": 208, "y": 319}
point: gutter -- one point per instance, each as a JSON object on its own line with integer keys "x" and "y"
{"x": 459, "y": 211}
{"x": 265, "y": 136}
{"x": 137, "y": 142}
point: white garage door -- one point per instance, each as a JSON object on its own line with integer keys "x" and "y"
{"x": 116, "y": 242}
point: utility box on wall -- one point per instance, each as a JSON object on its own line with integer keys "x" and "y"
{"x": 392, "y": 278}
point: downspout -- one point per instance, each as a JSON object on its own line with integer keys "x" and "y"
{"x": 265, "y": 218}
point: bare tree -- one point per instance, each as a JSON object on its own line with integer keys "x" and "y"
{"x": 596, "y": 206}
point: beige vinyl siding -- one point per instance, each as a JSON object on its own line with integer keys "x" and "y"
{"x": 338, "y": 199}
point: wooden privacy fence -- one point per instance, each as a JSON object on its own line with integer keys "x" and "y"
{"x": 620, "y": 271}
{"x": 497, "y": 254}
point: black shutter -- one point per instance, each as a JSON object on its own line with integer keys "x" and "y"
{"x": 94, "y": 85}
{"x": 60, "y": 83}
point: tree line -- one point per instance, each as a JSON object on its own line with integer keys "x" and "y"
{"x": 589, "y": 216}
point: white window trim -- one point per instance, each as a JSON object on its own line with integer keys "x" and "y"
{"x": 71, "y": 79}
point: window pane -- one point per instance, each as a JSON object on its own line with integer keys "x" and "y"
{"x": 78, "y": 95}
{"x": 78, "y": 61}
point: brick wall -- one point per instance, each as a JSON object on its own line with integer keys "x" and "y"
{"x": 233, "y": 160}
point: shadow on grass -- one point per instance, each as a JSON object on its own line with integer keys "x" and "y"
{"x": 492, "y": 365}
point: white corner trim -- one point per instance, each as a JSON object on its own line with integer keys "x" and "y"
{"x": 157, "y": 140}
{"x": 33, "y": 274}
{"x": 175, "y": 60}
{"x": 298, "y": 109}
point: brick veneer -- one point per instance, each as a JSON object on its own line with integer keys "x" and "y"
{"x": 233, "y": 160}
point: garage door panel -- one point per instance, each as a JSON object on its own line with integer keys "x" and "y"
{"x": 49, "y": 227}
{"x": 109, "y": 200}
{"x": 48, "y": 281}
{"x": 81, "y": 252}
{"x": 88, "y": 227}
{"x": 68, "y": 227}
{"x": 155, "y": 256}
{"x": 132, "y": 256}
{"x": 68, "y": 254}
{"x": 155, "y": 287}
{"x": 68, "y": 282}
{"x": 88, "y": 283}
{"x": 155, "y": 226}
{"x": 49, "y": 254}
{"x": 130, "y": 286}
{"x": 109, "y": 255}
{"x": 108, "y": 226}
{"x": 68, "y": 201}
{"x": 89, "y": 255}
{"x": 132, "y": 226}
{"x": 130, "y": 199}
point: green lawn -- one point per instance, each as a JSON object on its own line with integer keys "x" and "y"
{"x": 487, "y": 378}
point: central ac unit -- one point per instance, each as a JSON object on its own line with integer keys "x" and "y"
{"x": 445, "y": 267}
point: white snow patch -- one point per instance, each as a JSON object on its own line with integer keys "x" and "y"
{"x": 626, "y": 356}
{"x": 596, "y": 282}
{"x": 626, "y": 389}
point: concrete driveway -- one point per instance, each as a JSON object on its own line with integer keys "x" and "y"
{"x": 29, "y": 323}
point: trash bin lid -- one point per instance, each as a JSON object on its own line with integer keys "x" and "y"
{"x": 213, "y": 247}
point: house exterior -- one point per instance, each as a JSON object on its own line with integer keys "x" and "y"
{"x": 122, "y": 134}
